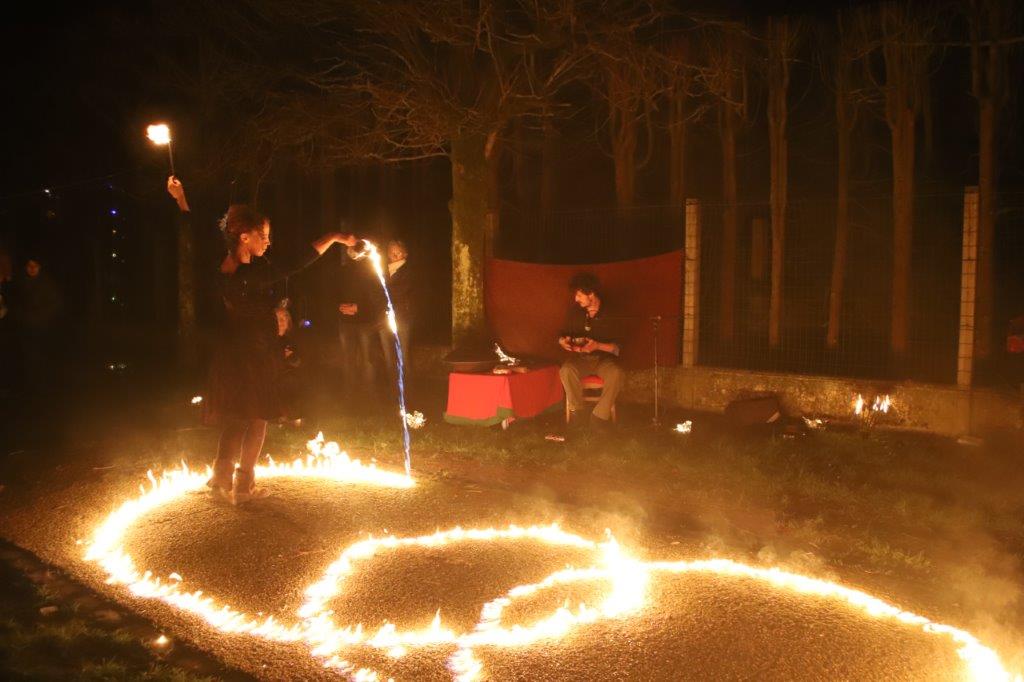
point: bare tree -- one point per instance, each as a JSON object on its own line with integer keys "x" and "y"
{"x": 781, "y": 41}
{"x": 725, "y": 77}
{"x": 849, "y": 47}
{"x": 627, "y": 83}
{"x": 904, "y": 30}
{"x": 991, "y": 22}
{"x": 680, "y": 73}
{"x": 410, "y": 80}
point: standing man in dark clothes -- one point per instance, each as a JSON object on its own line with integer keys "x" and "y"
{"x": 401, "y": 287}
{"x": 34, "y": 309}
{"x": 592, "y": 341}
{"x": 360, "y": 311}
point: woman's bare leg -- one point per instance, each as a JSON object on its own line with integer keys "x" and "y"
{"x": 252, "y": 445}
{"x": 228, "y": 451}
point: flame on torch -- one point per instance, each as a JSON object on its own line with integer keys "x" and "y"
{"x": 160, "y": 135}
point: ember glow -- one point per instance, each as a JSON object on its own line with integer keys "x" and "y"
{"x": 626, "y": 580}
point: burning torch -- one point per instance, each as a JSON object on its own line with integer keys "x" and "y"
{"x": 159, "y": 134}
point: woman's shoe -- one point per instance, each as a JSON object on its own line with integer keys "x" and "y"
{"x": 220, "y": 486}
{"x": 245, "y": 488}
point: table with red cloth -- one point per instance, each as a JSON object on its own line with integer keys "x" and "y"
{"x": 486, "y": 399}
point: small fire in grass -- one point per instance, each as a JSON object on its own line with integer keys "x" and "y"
{"x": 197, "y": 399}
{"x": 684, "y": 427}
{"x": 161, "y": 641}
{"x": 881, "y": 403}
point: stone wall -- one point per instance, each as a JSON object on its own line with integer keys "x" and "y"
{"x": 939, "y": 409}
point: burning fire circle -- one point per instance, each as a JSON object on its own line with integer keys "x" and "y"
{"x": 626, "y": 579}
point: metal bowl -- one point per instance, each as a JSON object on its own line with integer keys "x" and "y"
{"x": 470, "y": 366}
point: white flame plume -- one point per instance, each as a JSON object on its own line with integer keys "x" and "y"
{"x": 159, "y": 133}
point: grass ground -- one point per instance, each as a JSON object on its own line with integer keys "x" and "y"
{"x": 925, "y": 522}
{"x": 42, "y": 641}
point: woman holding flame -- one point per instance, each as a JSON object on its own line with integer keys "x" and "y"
{"x": 244, "y": 390}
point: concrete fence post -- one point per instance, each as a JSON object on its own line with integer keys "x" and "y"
{"x": 968, "y": 289}
{"x": 691, "y": 284}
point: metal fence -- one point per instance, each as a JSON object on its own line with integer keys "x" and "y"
{"x": 736, "y": 335}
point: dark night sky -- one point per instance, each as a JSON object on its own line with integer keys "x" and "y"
{"x": 76, "y": 85}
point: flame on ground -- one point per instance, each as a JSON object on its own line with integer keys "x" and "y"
{"x": 882, "y": 403}
{"x": 627, "y": 580}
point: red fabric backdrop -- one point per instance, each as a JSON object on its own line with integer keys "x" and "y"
{"x": 526, "y": 305}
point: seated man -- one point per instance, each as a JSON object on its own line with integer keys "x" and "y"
{"x": 591, "y": 339}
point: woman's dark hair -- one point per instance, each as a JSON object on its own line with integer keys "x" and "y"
{"x": 240, "y": 219}
{"x": 586, "y": 282}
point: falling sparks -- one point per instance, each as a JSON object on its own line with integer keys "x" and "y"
{"x": 370, "y": 252}
{"x": 415, "y": 420}
{"x": 626, "y": 580}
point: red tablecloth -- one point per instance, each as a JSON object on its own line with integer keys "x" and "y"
{"x": 487, "y": 399}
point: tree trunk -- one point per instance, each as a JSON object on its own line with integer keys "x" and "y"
{"x": 903, "y": 228}
{"x": 778, "y": 86}
{"x": 835, "y": 296}
{"x": 622, "y": 124}
{"x": 727, "y": 278}
{"x": 471, "y": 182}
{"x": 677, "y": 148}
{"x": 983, "y": 326}
{"x": 521, "y": 167}
{"x": 549, "y": 157}
{"x": 493, "y": 151}
{"x": 624, "y": 154}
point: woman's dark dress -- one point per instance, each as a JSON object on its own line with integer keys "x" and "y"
{"x": 248, "y": 361}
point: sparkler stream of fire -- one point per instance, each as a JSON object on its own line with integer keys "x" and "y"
{"x": 627, "y": 579}
{"x": 370, "y": 252}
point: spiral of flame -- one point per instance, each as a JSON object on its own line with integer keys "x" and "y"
{"x": 626, "y": 577}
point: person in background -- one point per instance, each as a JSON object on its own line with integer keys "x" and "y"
{"x": 244, "y": 387}
{"x": 292, "y": 375}
{"x": 35, "y": 307}
{"x": 8, "y": 348}
{"x": 592, "y": 343}
{"x": 360, "y": 310}
{"x": 401, "y": 286}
